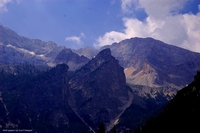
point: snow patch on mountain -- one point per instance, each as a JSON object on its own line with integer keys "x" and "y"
{"x": 27, "y": 51}
{"x": 21, "y": 49}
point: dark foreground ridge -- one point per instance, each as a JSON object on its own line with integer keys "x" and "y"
{"x": 181, "y": 114}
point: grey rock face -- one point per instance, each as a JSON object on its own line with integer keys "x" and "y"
{"x": 152, "y": 63}
{"x": 88, "y": 52}
{"x": 73, "y": 60}
{"x": 98, "y": 91}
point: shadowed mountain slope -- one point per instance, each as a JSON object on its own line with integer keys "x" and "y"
{"x": 181, "y": 114}
{"x": 38, "y": 102}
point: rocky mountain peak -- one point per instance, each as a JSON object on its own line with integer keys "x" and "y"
{"x": 163, "y": 59}
{"x": 104, "y": 55}
{"x": 99, "y": 89}
{"x": 73, "y": 60}
{"x": 19, "y": 49}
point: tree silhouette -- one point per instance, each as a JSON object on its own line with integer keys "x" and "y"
{"x": 101, "y": 128}
{"x": 114, "y": 130}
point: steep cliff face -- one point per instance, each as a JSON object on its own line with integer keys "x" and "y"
{"x": 98, "y": 91}
{"x": 73, "y": 60}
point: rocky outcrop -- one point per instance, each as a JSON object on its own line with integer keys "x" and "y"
{"x": 73, "y": 60}
{"x": 98, "y": 91}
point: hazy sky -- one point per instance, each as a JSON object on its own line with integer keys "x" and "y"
{"x": 79, "y": 23}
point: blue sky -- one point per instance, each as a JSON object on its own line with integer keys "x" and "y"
{"x": 79, "y": 23}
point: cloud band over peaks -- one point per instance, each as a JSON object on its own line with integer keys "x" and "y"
{"x": 3, "y": 4}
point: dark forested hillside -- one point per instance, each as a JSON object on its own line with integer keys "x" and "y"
{"x": 181, "y": 114}
{"x": 37, "y": 101}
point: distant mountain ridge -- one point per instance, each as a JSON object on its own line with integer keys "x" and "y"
{"x": 18, "y": 49}
{"x": 162, "y": 68}
{"x": 146, "y": 61}
{"x": 153, "y": 63}
{"x": 73, "y": 60}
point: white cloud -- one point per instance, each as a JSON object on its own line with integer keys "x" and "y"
{"x": 154, "y": 8}
{"x": 199, "y": 7}
{"x": 76, "y": 39}
{"x": 3, "y": 5}
{"x": 109, "y": 38}
{"x": 161, "y": 8}
{"x": 191, "y": 24}
{"x": 82, "y": 34}
{"x": 164, "y": 22}
{"x": 127, "y": 5}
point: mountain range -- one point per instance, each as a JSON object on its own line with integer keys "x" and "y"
{"x": 146, "y": 61}
{"x": 61, "y": 89}
{"x": 17, "y": 49}
{"x": 58, "y": 102}
{"x": 152, "y": 63}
